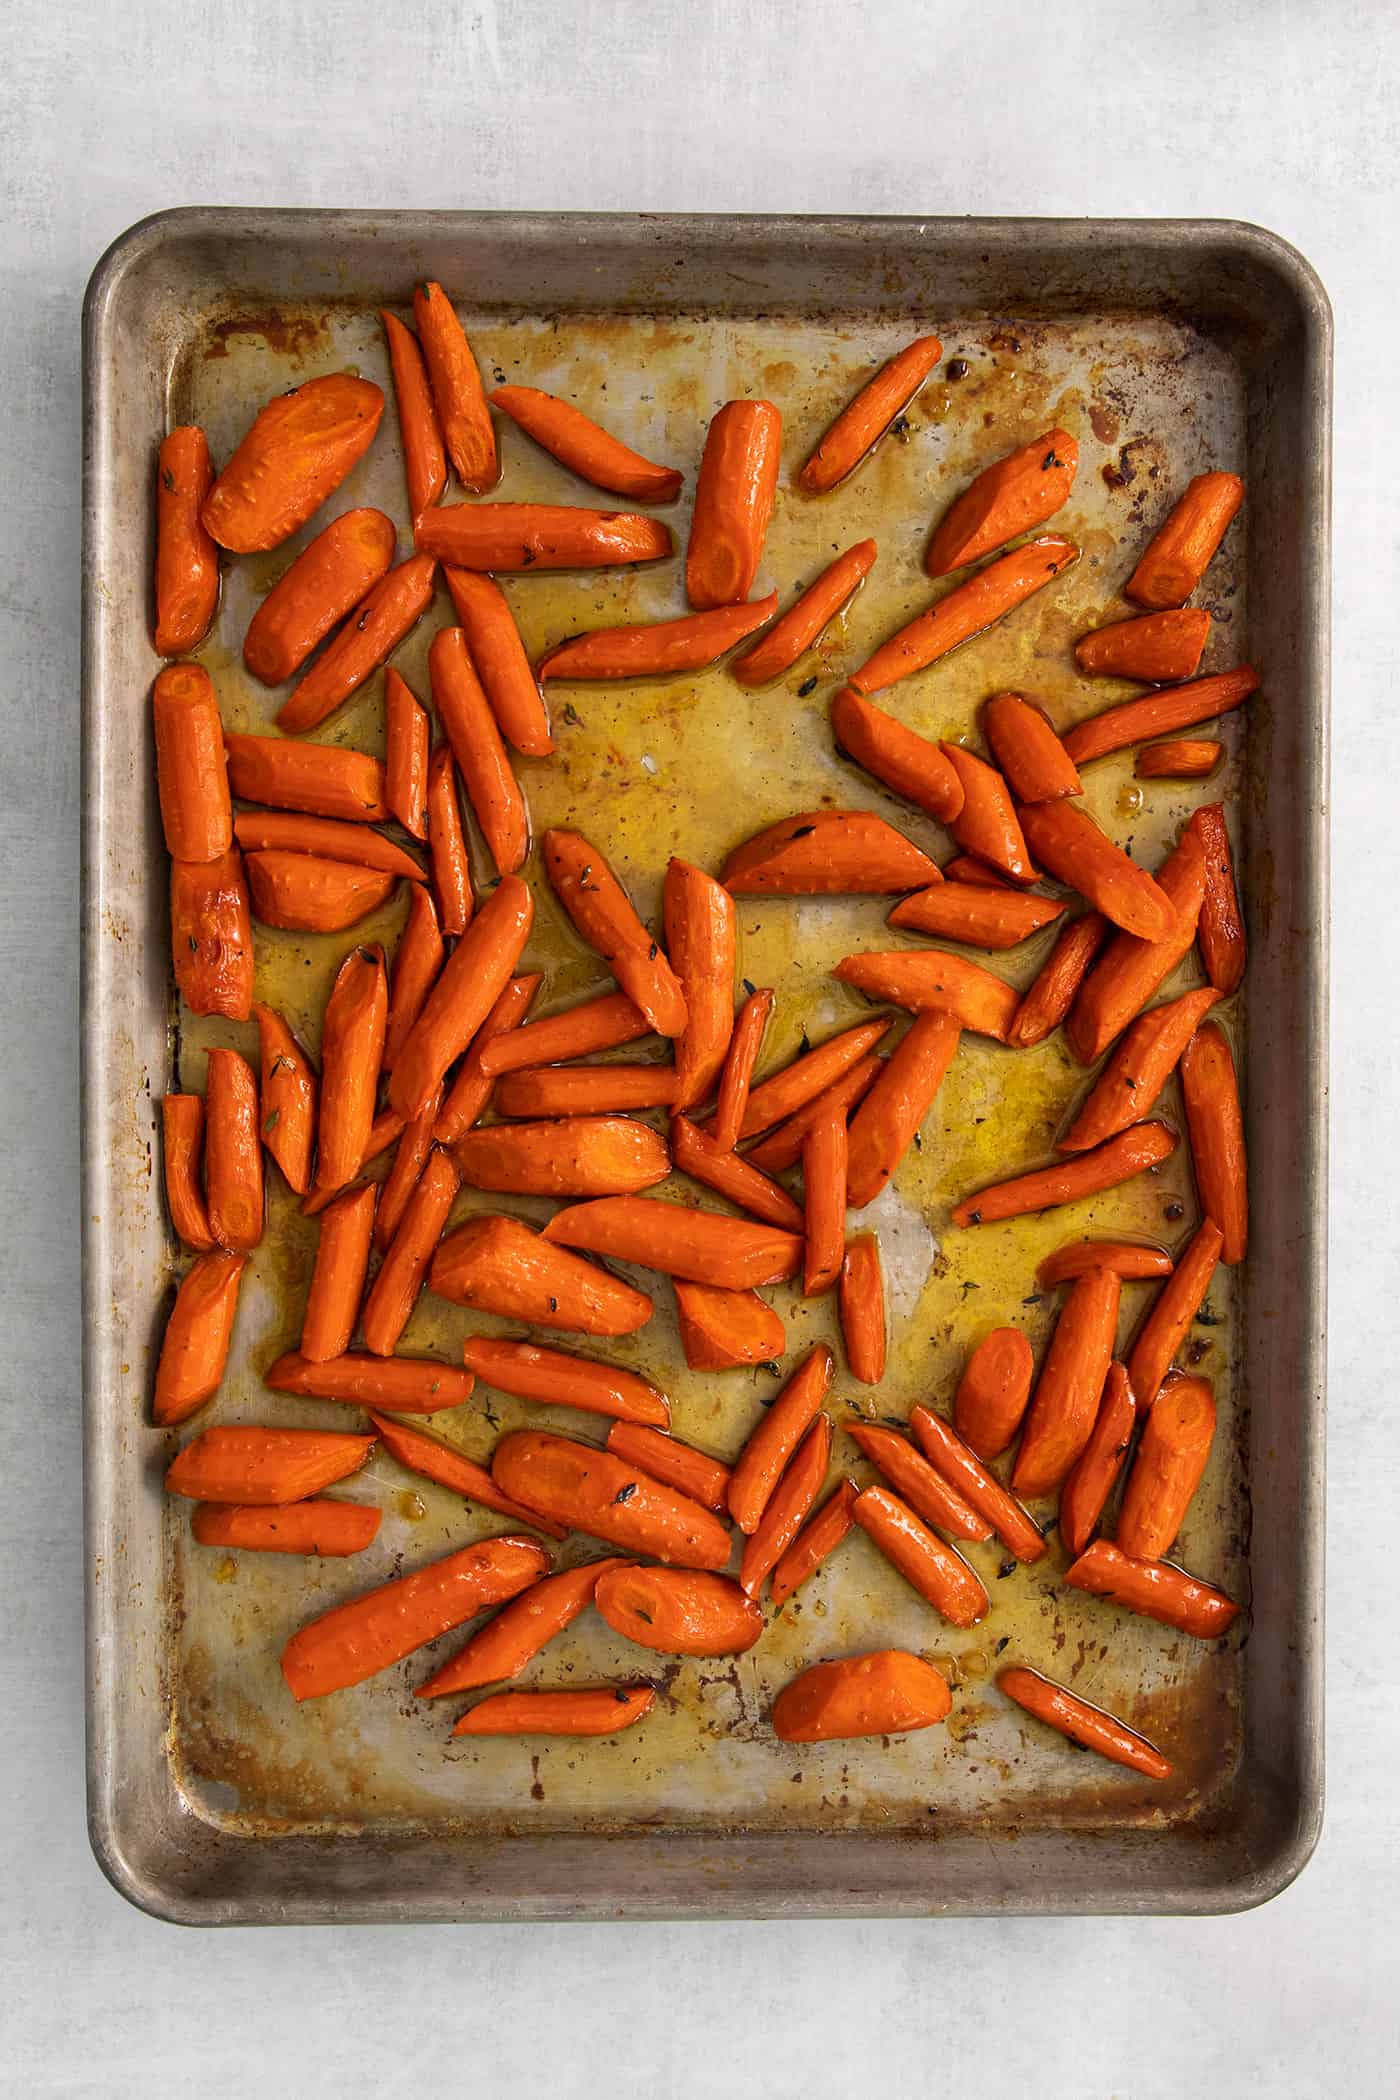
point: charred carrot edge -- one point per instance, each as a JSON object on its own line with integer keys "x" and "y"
{"x": 406, "y": 1385}
{"x": 405, "y": 755}
{"x": 1129, "y": 1259}
{"x": 410, "y": 1158}
{"x": 704, "y": 1479}
{"x": 1158, "y": 647}
{"x": 1169, "y": 1321}
{"x": 736, "y": 1075}
{"x": 976, "y": 913}
{"x": 583, "y": 1090}
{"x": 473, "y": 1086}
{"x": 338, "y": 1275}
{"x": 321, "y": 780}
{"x": 386, "y": 1130}
{"x": 1012, "y": 496}
{"x": 584, "y": 447}
{"x": 1139, "y": 1068}
{"x": 1171, "y": 1457}
{"x": 783, "y": 1147}
{"x": 1028, "y": 750}
{"x": 1155, "y": 1588}
{"x": 264, "y": 1465}
{"x": 760, "y": 1464}
{"x": 498, "y": 656}
{"x": 994, "y": 1391}
{"x": 194, "y": 1349}
{"x": 477, "y": 746}
{"x": 1089, "y": 1482}
{"x": 672, "y": 1238}
{"x": 678, "y": 1611}
{"x": 420, "y": 433}
{"x": 182, "y": 1150}
{"x": 966, "y": 611}
{"x": 326, "y": 582}
{"x": 939, "y": 1574}
{"x": 698, "y": 919}
{"x": 352, "y": 1051}
{"x": 699, "y": 1156}
{"x": 897, "y": 756}
{"x": 564, "y": 1157}
{"x": 888, "y": 1119}
{"x": 601, "y": 1712}
{"x": 987, "y": 822}
{"x": 529, "y": 538}
{"x": 187, "y": 560}
{"x": 826, "y": 853}
{"x": 1053, "y": 993}
{"x": 328, "y": 1529}
{"x": 304, "y": 893}
{"x": 297, "y": 451}
{"x": 211, "y": 935}
{"x": 933, "y": 1498}
{"x": 601, "y": 911}
{"x": 323, "y": 838}
{"x": 861, "y": 1300}
{"x": 1182, "y": 549}
{"x": 789, "y": 638}
{"x": 458, "y": 394}
{"x": 722, "y": 1329}
{"x": 958, "y": 1463}
{"x": 604, "y": 1023}
{"x": 1087, "y": 1725}
{"x": 868, "y": 415}
{"x": 610, "y": 1498}
{"x": 825, "y": 1151}
{"x": 498, "y": 1265}
{"x": 1074, "y": 848}
{"x": 1215, "y": 1128}
{"x": 967, "y": 868}
{"x": 391, "y": 610}
{"x": 447, "y": 844}
{"x": 888, "y": 1692}
{"x": 933, "y": 981}
{"x": 394, "y": 1292}
{"x": 191, "y": 764}
{"x": 1060, "y": 1419}
{"x": 1132, "y": 1152}
{"x": 787, "y": 1507}
{"x": 471, "y": 982}
{"x": 734, "y": 494}
{"x": 233, "y": 1173}
{"x": 800, "y": 1084}
{"x": 1160, "y": 714}
{"x": 451, "y": 1468}
{"x": 1179, "y": 758}
{"x": 659, "y": 648}
{"x": 518, "y": 1633}
{"x": 418, "y": 960}
{"x": 1220, "y": 928}
{"x": 818, "y": 1538}
{"x": 1130, "y": 970}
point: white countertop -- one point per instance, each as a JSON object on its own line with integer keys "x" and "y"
{"x": 1280, "y": 113}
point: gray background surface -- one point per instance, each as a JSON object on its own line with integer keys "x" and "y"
{"x": 1284, "y": 113}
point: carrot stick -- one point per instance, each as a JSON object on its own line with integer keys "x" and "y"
{"x": 298, "y": 450}
{"x": 420, "y": 433}
{"x": 824, "y": 1163}
{"x": 931, "y": 1496}
{"x": 386, "y": 1130}
{"x": 451, "y": 1468}
{"x": 737, "y": 1074}
{"x": 931, "y": 981}
{"x": 868, "y": 415}
{"x": 1028, "y": 751}
{"x": 447, "y": 845}
{"x": 993, "y": 1391}
{"x": 789, "y": 638}
{"x": 827, "y": 853}
{"x": 302, "y": 893}
{"x": 762, "y": 1461}
{"x": 458, "y": 394}
{"x": 1010, "y": 497}
{"x": 466, "y": 717}
{"x": 498, "y": 657}
{"x": 699, "y": 924}
{"x": 584, "y": 1090}
{"x": 783, "y": 1148}
{"x": 986, "y": 824}
{"x": 473, "y": 1086}
{"x": 887, "y": 1121}
{"x": 1155, "y": 1588}
{"x": 861, "y": 1300}
{"x": 187, "y": 561}
{"x": 1160, "y": 714}
{"x": 1174, "y": 1308}
{"x": 1176, "y": 1441}
{"x": 515, "y": 538}
{"x": 719, "y": 1329}
{"x": 408, "y": 1385}
{"x": 190, "y": 765}
{"x": 327, "y": 580}
{"x": 1053, "y": 993}
{"x": 391, "y": 610}
{"x": 195, "y": 1347}
{"x": 598, "y": 1024}
{"x": 966, "y": 868}
{"x": 734, "y": 494}
{"x": 338, "y": 1277}
{"x": 1087, "y": 1725}
{"x": 934, "y": 1570}
{"x": 695, "y": 1153}
{"x": 705, "y": 1480}
{"x": 325, "y": 838}
{"x": 897, "y": 756}
{"x": 1127, "y": 1258}
{"x": 1178, "y": 758}
{"x": 1066, "y": 1397}
{"x": 182, "y": 1149}
{"x": 352, "y": 1049}
{"x": 596, "y": 902}
{"x": 787, "y": 1508}
{"x": 405, "y": 755}
{"x": 1183, "y": 548}
{"x": 602, "y": 1494}
{"x": 1138, "y": 1070}
{"x": 1220, "y": 929}
{"x": 1215, "y": 1127}
{"x": 394, "y": 1292}
{"x": 818, "y": 1538}
{"x": 418, "y": 960}
{"x": 324, "y": 780}
{"x": 410, "y": 1158}
{"x": 1129, "y": 970}
{"x": 211, "y": 935}
{"x": 1075, "y": 850}
{"x": 968, "y": 610}
{"x": 678, "y": 1241}
{"x": 799, "y": 1084}
{"x": 885, "y": 1693}
{"x": 981, "y": 916}
{"x": 961, "y": 1468}
{"x": 233, "y": 1152}
{"x": 584, "y": 447}
{"x": 517, "y": 1634}
{"x": 1159, "y": 647}
{"x": 657, "y": 648}
{"x": 1089, "y": 1482}
{"x": 556, "y": 1378}
{"x": 469, "y": 986}
{"x": 327, "y": 1529}
{"x": 601, "y": 1712}
{"x": 264, "y": 1466}
{"x": 678, "y": 1611}
{"x": 569, "y": 1156}
{"x": 499, "y": 1265}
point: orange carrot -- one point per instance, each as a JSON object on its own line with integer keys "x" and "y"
{"x": 962, "y": 1469}
{"x": 737, "y": 1074}
{"x": 330, "y": 1530}
{"x": 1174, "y": 1308}
{"x": 861, "y": 1299}
{"x": 1183, "y": 548}
{"x": 968, "y": 610}
{"x": 699, "y": 924}
{"x": 182, "y": 1149}
{"x": 458, "y": 394}
{"x": 1159, "y": 714}
{"x": 1220, "y": 929}
{"x": 596, "y": 902}
{"x": 556, "y": 1378}
{"x": 602, "y": 1494}
{"x": 789, "y": 638}
{"x": 784, "y": 1147}
{"x": 932, "y": 1497}
{"x": 394, "y": 1292}
{"x": 264, "y": 1466}
{"x": 887, "y": 1121}
{"x": 1159, "y": 647}
{"x": 887, "y": 1692}
{"x": 338, "y": 1277}
{"x": 195, "y": 1347}
{"x": 324, "y": 780}
{"x": 1066, "y": 1398}
{"x": 1087, "y": 1725}
{"x": 601, "y": 1712}
{"x": 1089, "y": 1482}
{"x": 1126, "y": 1258}
{"x": 187, "y": 561}
{"x": 1053, "y": 992}
{"x": 392, "y": 609}
{"x": 966, "y": 868}
{"x": 302, "y": 893}
{"x": 584, "y": 1090}
{"x": 678, "y": 1240}
{"x": 352, "y": 1049}
{"x": 868, "y": 415}
{"x": 569, "y": 1156}
{"x": 516, "y": 1635}
{"x": 499, "y": 660}
{"x": 981, "y": 916}
{"x": 719, "y": 1329}
{"x": 410, "y": 1158}
{"x": 418, "y": 960}
{"x": 678, "y": 1611}
{"x": 409, "y": 1385}
{"x": 470, "y": 726}
{"x": 762, "y": 1461}
{"x": 938, "y": 1573}
{"x": 734, "y": 494}
{"x": 584, "y": 447}
{"x": 324, "y": 838}
{"x": 298, "y": 450}
{"x": 659, "y": 648}
{"x": 1215, "y": 1127}
{"x": 1154, "y": 1588}
{"x": 447, "y": 845}
{"x": 420, "y": 433}
{"x": 818, "y": 1538}
{"x": 897, "y": 756}
{"x": 520, "y": 537}
{"x": 327, "y": 580}
{"x": 405, "y": 755}
{"x": 787, "y": 1507}
{"x": 1176, "y": 1441}
{"x": 498, "y": 1265}
{"x": 695, "y": 1153}
{"x": 211, "y": 935}
{"x": 705, "y": 1480}
{"x": 288, "y": 1097}
{"x": 598, "y": 1024}
{"x": 452, "y": 1469}
{"x": 1130, "y": 970}
{"x": 473, "y": 1086}
{"x": 1028, "y": 750}
{"x": 824, "y": 1162}
{"x": 993, "y": 1391}
{"x": 191, "y": 765}
{"x": 800, "y": 1084}
{"x": 1075, "y": 850}
{"x": 233, "y": 1152}
{"x": 469, "y": 986}
{"x": 1139, "y": 1068}
{"x": 986, "y": 824}
{"x": 1012, "y": 496}
{"x": 1132, "y": 1152}
{"x": 1178, "y": 758}
{"x": 931, "y": 981}
{"x": 827, "y": 853}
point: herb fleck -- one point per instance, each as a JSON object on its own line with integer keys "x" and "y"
{"x": 958, "y": 368}
{"x": 625, "y": 1494}
{"x": 808, "y": 685}
{"x": 803, "y": 831}
{"x": 750, "y": 987}
{"x": 572, "y": 715}
{"x": 1008, "y": 1567}
{"x": 1003, "y": 1644}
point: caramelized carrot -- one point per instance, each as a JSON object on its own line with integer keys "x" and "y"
{"x": 887, "y": 1121}
{"x": 187, "y": 561}
{"x": 520, "y": 537}
{"x": 1028, "y": 750}
{"x": 1158, "y": 647}
{"x": 408, "y": 1385}
{"x": 938, "y": 1573}
{"x": 736, "y": 1077}
{"x": 584, "y": 447}
{"x": 897, "y": 756}
{"x": 330, "y": 1530}
{"x": 352, "y": 1050}
{"x": 569, "y": 1156}
{"x": 498, "y": 1265}
{"x": 868, "y": 415}
{"x": 887, "y": 1692}
{"x": 458, "y": 394}
{"x": 827, "y": 853}
{"x": 410, "y": 1158}
{"x": 420, "y": 433}
{"x": 1178, "y": 758}
{"x": 783, "y": 1148}
{"x": 1159, "y": 714}
{"x": 475, "y": 975}
{"x": 392, "y": 609}
{"x": 556, "y": 1378}
{"x": 498, "y": 657}
{"x": 982, "y": 1491}
{"x": 394, "y": 1292}
{"x": 325, "y": 838}
{"x": 678, "y": 1241}
{"x": 405, "y": 755}
{"x": 601, "y": 1712}
{"x": 597, "y": 903}
{"x": 1129, "y": 970}
{"x": 803, "y": 624}
{"x": 1089, "y": 1482}
{"x": 719, "y": 1329}
{"x": 1176, "y": 1441}
{"x": 986, "y": 824}
{"x": 981, "y": 916}
{"x": 932, "y": 1497}
{"x": 1087, "y": 1725}
{"x": 233, "y": 1152}
{"x": 1174, "y": 1308}
{"x": 1183, "y": 548}
{"x": 1053, "y": 993}
{"x": 327, "y": 580}
{"x": 195, "y": 1346}
{"x": 1066, "y": 1398}
{"x": 818, "y": 1539}
{"x": 678, "y": 1611}
{"x": 930, "y": 981}
{"x": 600, "y": 1493}
{"x": 993, "y": 1391}
{"x": 861, "y": 1299}
{"x": 338, "y": 1277}
{"x": 970, "y": 609}
{"x": 211, "y": 935}
{"x": 297, "y": 451}
{"x": 1133, "y": 1151}
{"x": 1075, "y": 850}
{"x": 324, "y": 780}
{"x": 787, "y": 1507}
{"x": 516, "y": 1635}
{"x": 452, "y": 1469}
{"x": 1215, "y": 1127}
{"x": 966, "y": 868}
{"x": 182, "y": 1149}
{"x": 734, "y": 494}
{"x": 1012, "y": 496}
{"x": 264, "y": 1466}
{"x": 1138, "y": 1070}
{"x": 1220, "y": 929}
{"x": 447, "y": 844}
{"x": 1155, "y": 1588}
{"x": 799, "y": 1084}
{"x": 761, "y": 1462}
{"x": 584, "y": 1090}
{"x": 473, "y": 1086}
{"x": 695, "y": 1153}
{"x": 699, "y": 923}
{"x": 191, "y": 765}
{"x": 659, "y": 648}
{"x": 1126, "y": 1258}
{"x": 466, "y": 717}
{"x": 288, "y": 1096}
{"x": 705, "y": 1480}
{"x": 604, "y": 1023}
{"x": 418, "y": 960}
{"x": 824, "y": 1162}
{"x": 302, "y": 893}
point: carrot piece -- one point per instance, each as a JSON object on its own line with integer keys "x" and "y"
{"x": 601, "y": 1712}
{"x": 734, "y": 494}
{"x": 338, "y": 1277}
{"x": 1132, "y": 1152}
{"x": 1176, "y": 1441}
{"x": 1138, "y": 1070}
{"x": 187, "y": 561}
{"x": 1215, "y": 1127}
{"x": 1087, "y": 1725}
{"x": 470, "y": 726}
{"x": 327, "y": 581}
{"x": 887, "y": 1692}
{"x": 698, "y": 920}
{"x": 597, "y": 903}
{"x": 602, "y": 1494}
{"x": 1159, "y": 714}
{"x": 657, "y": 648}
{"x": 931, "y": 981}
{"x": 939, "y": 1574}
{"x": 818, "y": 1538}
{"x": 1010, "y": 497}
{"x": 410, "y": 1158}
{"x": 1053, "y": 993}
{"x": 264, "y": 1466}
{"x": 394, "y": 1292}
{"x": 986, "y": 824}
{"x": 897, "y": 756}
{"x": 861, "y": 1300}
{"x": 584, "y": 447}
{"x": 697, "y": 1154}
{"x": 720, "y": 1329}
{"x": 323, "y": 838}
{"x": 405, "y": 755}
{"x": 604, "y": 1023}
{"x": 498, "y": 657}
{"x": 520, "y": 537}
{"x": 678, "y": 1611}
{"x": 356, "y": 1640}
{"x": 981, "y": 916}
{"x": 1028, "y": 751}
{"x": 469, "y": 986}
{"x": 761, "y": 1462}
{"x": 1174, "y": 1308}
{"x": 557, "y": 1378}
{"x": 705, "y": 1480}
{"x": 473, "y": 1086}
{"x": 736, "y": 1076}
{"x": 678, "y": 1240}
{"x": 233, "y": 1151}
{"x": 1178, "y": 758}
{"x": 868, "y": 415}
{"x": 182, "y": 1148}
{"x": 324, "y": 780}
{"x": 195, "y": 1346}
{"x": 799, "y": 1084}
{"x": 386, "y": 1130}
{"x": 191, "y": 765}
{"x": 783, "y": 1148}
{"x": 993, "y": 1391}
{"x": 1089, "y": 1481}
{"x": 827, "y": 853}
{"x": 392, "y": 608}
{"x": 1220, "y": 929}
{"x": 824, "y": 1164}
{"x": 1155, "y": 1588}
{"x": 960, "y": 1466}
{"x": 1159, "y": 647}
{"x": 409, "y": 1385}
{"x": 302, "y": 893}
{"x": 584, "y": 1090}
{"x": 1066, "y": 1399}
{"x": 451, "y": 1468}
{"x": 966, "y": 611}
{"x": 787, "y": 1507}
{"x": 418, "y": 960}
{"x": 1183, "y": 548}
{"x": 211, "y": 935}
{"x": 352, "y": 1049}
{"x": 1073, "y": 848}
{"x": 297, "y": 451}
{"x": 1129, "y": 970}
{"x": 447, "y": 844}
{"x": 887, "y": 1121}
{"x": 330, "y": 1530}
{"x": 966, "y": 868}
{"x": 932, "y": 1497}
{"x": 517, "y": 1634}
{"x": 1127, "y": 1258}
{"x": 789, "y": 638}
{"x": 569, "y": 1156}
{"x": 458, "y": 394}
{"x": 499, "y": 1265}
{"x": 420, "y": 433}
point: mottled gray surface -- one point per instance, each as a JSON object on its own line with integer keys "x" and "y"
{"x": 1281, "y": 113}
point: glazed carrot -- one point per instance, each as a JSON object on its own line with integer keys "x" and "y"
{"x": 1215, "y": 1127}
{"x": 705, "y": 1480}
{"x": 734, "y": 494}
{"x": 761, "y": 1462}
{"x": 818, "y": 1538}
{"x": 1174, "y": 1308}
{"x": 499, "y": 660}
{"x": 783, "y": 1148}
{"x": 473, "y": 1086}
{"x": 451, "y": 1468}
{"x": 211, "y": 935}
{"x": 865, "y": 419}
{"x": 394, "y": 1292}
{"x": 391, "y": 610}
{"x": 584, "y": 447}
{"x": 1066, "y": 1398}
{"x": 598, "y": 1024}
{"x": 352, "y": 1050}
{"x": 569, "y": 1156}
{"x": 1089, "y": 1482}
{"x": 1176, "y": 1441}
{"x": 986, "y": 824}
{"x": 678, "y": 1611}
{"x": 447, "y": 845}
{"x": 962, "y": 1469}
{"x": 1160, "y": 714}
{"x": 405, "y": 755}
{"x": 658, "y": 648}
{"x": 1087, "y": 1725}
{"x": 1183, "y": 548}
{"x": 933, "y": 1569}
{"x": 328, "y": 1529}
{"x": 470, "y": 727}
{"x": 897, "y": 756}
{"x": 827, "y": 853}
{"x": 887, "y": 1121}
{"x": 327, "y": 580}
{"x": 410, "y": 1158}
{"x": 602, "y": 1494}
{"x": 338, "y": 1277}
{"x": 1132, "y": 1152}
{"x": 1053, "y": 992}
{"x": 298, "y": 449}
{"x": 1012, "y": 496}
{"x": 933, "y": 1498}
{"x": 356, "y": 1640}
{"x": 516, "y": 538}
{"x": 966, "y": 868}
{"x": 824, "y": 1164}
{"x": 1158, "y": 647}
{"x": 458, "y": 394}
{"x": 325, "y": 838}
{"x": 288, "y": 1098}
{"x": 787, "y": 1507}
{"x": 601, "y": 1712}
{"x": 182, "y": 1149}
{"x": 736, "y": 1077}
{"x": 928, "y": 980}
{"x": 420, "y": 433}
{"x": 597, "y": 903}
{"x": 1028, "y": 751}
{"x": 695, "y": 1153}
{"x": 800, "y": 1084}
{"x": 677, "y": 1240}
{"x": 1127, "y": 1258}
{"x": 789, "y": 639}
{"x": 195, "y": 1347}
{"x": 720, "y": 1329}
{"x": 1178, "y": 758}
{"x": 233, "y": 1151}
{"x": 861, "y": 1299}
{"x": 556, "y": 1378}
{"x": 408, "y": 1385}
{"x": 302, "y": 893}
{"x": 418, "y": 960}
{"x": 1139, "y": 1068}
{"x": 191, "y": 765}
{"x": 499, "y": 1265}
{"x": 1220, "y": 929}
{"x": 386, "y": 1130}
{"x": 324, "y": 780}
{"x": 584, "y": 1090}
{"x": 993, "y": 1391}
{"x": 187, "y": 561}
{"x": 970, "y": 609}
{"x": 1075, "y": 850}
{"x": 264, "y": 1466}
{"x": 517, "y": 1634}
{"x": 980, "y": 915}
{"x": 1155, "y": 1588}
{"x": 469, "y": 986}
{"x": 887, "y": 1692}
{"x": 1129, "y": 970}
{"x": 699, "y": 924}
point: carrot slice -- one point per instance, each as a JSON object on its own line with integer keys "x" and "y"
{"x": 887, "y": 1692}
{"x": 517, "y": 1634}
{"x": 1215, "y": 1127}
{"x": 458, "y": 394}
{"x": 827, "y": 853}
{"x": 420, "y": 433}
{"x": 824, "y": 1163}
{"x": 737, "y": 1075}
{"x": 602, "y": 1494}
{"x": 584, "y": 1090}
{"x": 302, "y": 893}
{"x": 191, "y": 765}
{"x": 584, "y": 447}
{"x": 568, "y": 1156}
{"x": 325, "y": 838}
{"x": 1183, "y": 548}
{"x": 470, "y": 726}
{"x": 498, "y": 1265}
{"x": 447, "y": 844}
{"x": 405, "y": 755}
{"x": 800, "y": 1084}
{"x": 986, "y": 824}
{"x": 968, "y": 610}
{"x": 1174, "y": 1308}
{"x": 695, "y": 1153}
{"x": 1155, "y": 1588}
{"x": 1028, "y": 751}
{"x": 233, "y": 1173}
{"x": 783, "y": 1148}
{"x": 410, "y": 1158}
{"x": 1159, "y": 647}
{"x": 182, "y": 1149}
{"x": 451, "y": 1468}
{"x": 761, "y": 1462}
{"x": 601, "y": 1712}
{"x": 938, "y": 1573}
{"x": 734, "y": 494}
{"x": 966, "y": 868}
{"x": 498, "y": 657}
{"x": 352, "y": 1050}
{"x": 187, "y": 560}
{"x": 993, "y": 1391}
{"x": 324, "y": 780}
{"x": 868, "y": 415}
{"x": 408, "y": 1385}
{"x": 932, "y": 1497}
{"x": 1010, "y": 497}
{"x": 789, "y": 638}
{"x": 386, "y": 1130}
{"x": 338, "y": 1276}
{"x": 1176, "y": 1441}
{"x": 1066, "y": 1398}
{"x": 596, "y": 902}
{"x": 1089, "y": 1481}
{"x": 604, "y": 1023}
{"x": 699, "y": 923}
{"x": 981, "y": 916}
{"x": 211, "y": 935}
{"x": 556, "y": 1378}
{"x": 1053, "y": 993}
{"x": 519, "y": 537}
{"x": 930, "y": 981}
{"x": 1159, "y": 714}
{"x": 982, "y": 1491}
{"x": 297, "y": 451}
{"x": 887, "y": 1121}
{"x": 705, "y": 1480}
{"x": 1087, "y": 1725}
{"x": 720, "y": 1329}
{"x": 418, "y": 960}
{"x": 1178, "y": 758}
{"x": 658, "y": 648}
{"x": 1138, "y": 1070}
{"x": 817, "y": 1540}
{"x": 1132, "y": 1152}
{"x": 394, "y": 1292}
{"x": 1126, "y": 1258}
{"x": 861, "y": 1300}
{"x": 195, "y": 1346}
{"x": 474, "y": 1085}
{"x": 679, "y": 1611}
{"x": 1220, "y": 929}
{"x": 327, "y": 580}
{"x": 787, "y": 1507}
{"x": 678, "y": 1241}
{"x": 1074, "y": 848}
{"x": 330, "y": 1530}
{"x": 264, "y": 1465}
{"x": 897, "y": 756}
{"x": 475, "y": 975}
{"x": 1131, "y": 970}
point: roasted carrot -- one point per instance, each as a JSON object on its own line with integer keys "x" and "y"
{"x": 447, "y": 844}
{"x": 187, "y": 561}
{"x": 1053, "y": 993}
{"x": 327, "y": 580}
{"x": 604, "y": 1023}
{"x": 233, "y": 1152}
{"x": 966, "y": 868}
{"x": 1132, "y": 1152}
{"x": 788, "y": 639}
{"x": 338, "y": 1277}
{"x": 659, "y": 648}
{"x": 783, "y": 1147}
{"x": 818, "y": 1538}
{"x": 602, "y": 1494}
{"x": 887, "y": 1121}
{"x": 182, "y": 1150}
{"x": 861, "y": 1299}
{"x": 352, "y": 1050}
{"x": 211, "y": 935}
{"x": 470, "y": 727}
{"x": 968, "y": 610}
{"x": 678, "y": 1240}
{"x": 986, "y": 824}
{"x": 408, "y": 1385}
{"x": 394, "y": 1292}
{"x": 597, "y": 903}
{"x": 418, "y": 960}
{"x": 264, "y": 1466}
{"x": 1173, "y": 1309}
{"x": 420, "y": 433}
{"x": 1183, "y": 548}
{"x": 1028, "y": 751}
{"x": 1155, "y": 1588}
{"x": 1171, "y": 1457}
{"x": 1178, "y": 758}
{"x": 1089, "y": 1482}
{"x": 600, "y": 1712}
{"x": 993, "y": 1391}
{"x": 473, "y": 1086}
{"x": 897, "y": 756}
{"x": 1012, "y": 496}
{"x": 517, "y": 538}
{"x": 458, "y": 394}
{"x": 761, "y": 1462}
{"x": 699, "y": 924}
{"x": 451, "y": 1468}
{"x": 323, "y": 838}
{"x": 302, "y": 893}
{"x": 475, "y": 975}
{"x": 584, "y": 447}
{"x": 191, "y": 765}
{"x": 410, "y": 1158}
{"x": 1158, "y": 647}
{"x": 1220, "y": 928}
{"x": 556, "y": 1378}
{"x": 328, "y": 1529}
{"x": 569, "y": 1156}
{"x": 939, "y": 1574}
{"x": 932, "y": 1497}
{"x": 288, "y": 1098}
{"x": 868, "y": 415}
{"x": 1126, "y": 1258}
{"x": 1215, "y": 1127}
{"x": 1066, "y": 1398}
{"x": 719, "y": 1329}
{"x": 736, "y": 1077}
{"x": 386, "y": 1130}
{"x": 298, "y": 449}
{"x": 697, "y": 1154}
{"x": 734, "y": 494}
{"x": 981, "y": 916}
{"x": 827, "y": 853}
{"x": 1130, "y": 970}
{"x": 800, "y": 1084}
{"x": 1139, "y": 1068}
{"x": 517, "y": 1634}
{"x": 324, "y": 780}
{"x": 405, "y": 755}
{"x": 1075, "y": 850}
{"x": 1160, "y": 714}
{"x": 928, "y": 980}
{"x": 982, "y": 1491}
{"x": 887, "y": 1692}
{"x": 584, "y": 1090}
{"x": 498, "y": 1265}
{"x": 678, "y": 1611}
{"x": 1087, "y": 1725}
{"x": 787, "y": 1507}
{"x": 824, "y": 1166}
{"x": 393, "y": 607}
{"x": 498, "y": 657}
{"x": 705, "y": 1480}
{"x": 195, "y": 1347}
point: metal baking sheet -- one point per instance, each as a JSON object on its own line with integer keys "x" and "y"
{"x": 1167, "y": 348}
